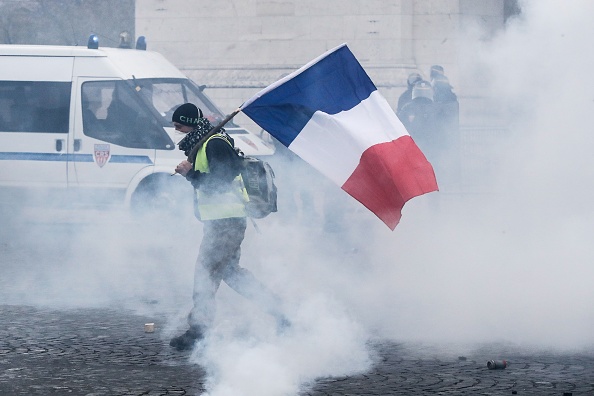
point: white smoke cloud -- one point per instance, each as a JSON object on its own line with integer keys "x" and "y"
{"x": 509, "y": 261}
{"x": 513, "y": 261}
{"x": 323, "y": 341}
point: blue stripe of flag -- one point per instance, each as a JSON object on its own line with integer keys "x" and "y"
{"x": 335, "y": 83}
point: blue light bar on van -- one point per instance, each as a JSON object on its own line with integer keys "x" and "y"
{"x": 141, "y": 43}
{"x": 93, "y": 42}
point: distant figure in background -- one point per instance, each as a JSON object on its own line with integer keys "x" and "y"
{"x": 447, "y": 160}
{"x": 418, "y": 115}
{"x": 446, "y": 103}
{"x": 406, "y": 96}
{"x": 447, "y": 122}
{"x": 434, "y": 71}
{"x": 419, "y": 119}
{"x": 431, "y": 117}
{"x": 442, "y": 90}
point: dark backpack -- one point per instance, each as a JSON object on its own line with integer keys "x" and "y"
{"x": 258, "y": 178}
{"x": 257, "y": 175}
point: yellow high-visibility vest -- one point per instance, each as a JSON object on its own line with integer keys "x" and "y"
{"x": 216, "y": 205}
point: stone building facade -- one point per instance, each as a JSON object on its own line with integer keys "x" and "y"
{"x": 237, "y": 47}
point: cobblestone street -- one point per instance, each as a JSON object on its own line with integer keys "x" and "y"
{"x": 103, "y": 349}
{"x": 428, "y": 216}
{"x": 104, "y": 352}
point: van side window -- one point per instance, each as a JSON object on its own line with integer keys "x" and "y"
{"x": 34, "y": 106}
{"x": 113, "y": 112}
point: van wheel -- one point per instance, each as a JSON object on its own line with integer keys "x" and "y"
{"x": 161, "y": 194}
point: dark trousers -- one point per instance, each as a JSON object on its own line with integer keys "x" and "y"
{"x": 218, "y": 260}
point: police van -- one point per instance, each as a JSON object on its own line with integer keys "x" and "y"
{"x": 96, "y": 122}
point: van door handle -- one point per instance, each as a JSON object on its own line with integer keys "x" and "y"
{"x": 59, "y": 144}
{"x": 77, "y": 144}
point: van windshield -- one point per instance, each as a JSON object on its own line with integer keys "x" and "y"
{"x": 164, "y": 95}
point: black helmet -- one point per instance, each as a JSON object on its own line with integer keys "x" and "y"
{"x": 435, "y": 71}
{"x": 413, "y": 78}
{"x": 422, "y": 89}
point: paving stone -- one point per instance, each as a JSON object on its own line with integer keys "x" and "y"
{"x": 49, "y": 352}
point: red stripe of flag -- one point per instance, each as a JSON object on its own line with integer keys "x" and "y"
{"x": 388, "y": 175}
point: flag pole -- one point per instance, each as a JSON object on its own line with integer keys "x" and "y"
{"x": 219, "y": 126}
{"x": 214, "y": 130}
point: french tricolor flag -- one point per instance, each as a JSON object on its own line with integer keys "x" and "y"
{"x": 330, "y": 114}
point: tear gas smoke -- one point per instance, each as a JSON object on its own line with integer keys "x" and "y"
{"x": 511, "y": 261}
{"x": 506, "y": 259}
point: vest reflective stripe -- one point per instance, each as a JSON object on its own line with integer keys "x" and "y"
{"x": 218, "y": 205}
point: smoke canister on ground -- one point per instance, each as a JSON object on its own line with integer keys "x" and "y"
{"x": 496, "y": 364}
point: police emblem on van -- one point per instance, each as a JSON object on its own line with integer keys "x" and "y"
{"x": 101, "y": 154}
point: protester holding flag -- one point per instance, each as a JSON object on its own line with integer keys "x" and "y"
{"x": 213, "y": 168}
{"x": 419, "y": 116}
{"x": 330, "y": 114}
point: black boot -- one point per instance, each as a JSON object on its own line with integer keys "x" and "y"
{"x": 187, "y": 340}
